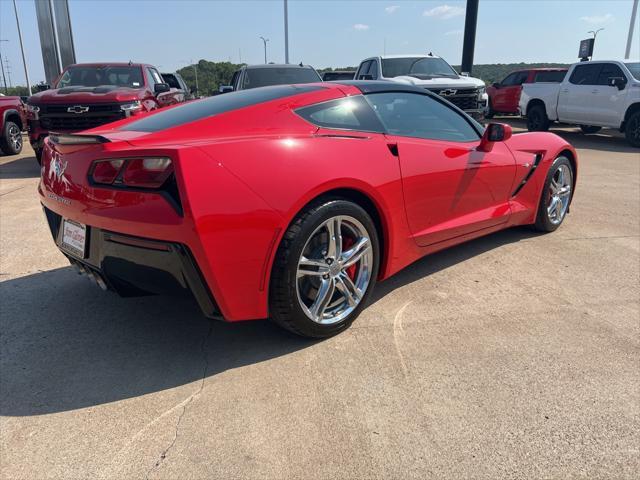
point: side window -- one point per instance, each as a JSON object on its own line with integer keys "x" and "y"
{"x": 349, "y": 113}
{"x": 149, "y": 77}
{"x": 363, "y": 70}
{"x": 234, "y": 79}
{"x": 509, "y": 80}
{"x": 153, "y": 77}
{"x": 373, "y": 69}
{"x": 552, "y": 76}
{"x": 608, "y": 71}
{"x": 521, "y": 78}
{"x": 416, "y": 115}
{"x": 585, "y": 74}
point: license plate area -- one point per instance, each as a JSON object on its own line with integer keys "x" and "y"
{"x": 73, "y": 238}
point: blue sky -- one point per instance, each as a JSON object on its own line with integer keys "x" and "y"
{"x": 169, "y": 33}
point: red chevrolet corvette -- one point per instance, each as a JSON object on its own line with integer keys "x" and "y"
{"x": 290, "y": 202}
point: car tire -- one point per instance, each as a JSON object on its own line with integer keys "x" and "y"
{"x": 537, "y": 120}
{"x": 490, "y": 113}
{"x": 558, "y": 187}
{"x": 11, "y": 139}
{"x": 312, "y": 285}
{"x": 632, "y": 129}
{"x": 587, "y": 129}
{"x": 38, "y": 152}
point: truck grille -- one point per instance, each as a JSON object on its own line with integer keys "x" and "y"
{"x": 463, "y": 98}
{"x": 58, "y": 117}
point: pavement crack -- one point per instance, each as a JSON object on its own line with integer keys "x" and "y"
{"x": 187, "y": 402}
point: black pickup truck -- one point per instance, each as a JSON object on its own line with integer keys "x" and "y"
{"x": 253, "y": 76}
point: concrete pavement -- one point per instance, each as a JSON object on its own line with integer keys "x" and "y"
{"x": 516, "y": 355}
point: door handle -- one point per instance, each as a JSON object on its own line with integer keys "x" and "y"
{"x": 566, "y": 90}
{"x": 595, "y": 91}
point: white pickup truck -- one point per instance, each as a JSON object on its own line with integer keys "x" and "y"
{"x": 430, "y": 72}
{"x": 593, "y": 95}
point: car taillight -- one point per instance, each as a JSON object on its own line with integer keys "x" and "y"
{"x": 149, "y": 172}
{"x": 106, "y": 171}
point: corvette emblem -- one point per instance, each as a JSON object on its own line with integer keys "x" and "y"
{"x": 448, "y": 92}
{"x": 78, "y": 109}
{"x": 58, "y": 166}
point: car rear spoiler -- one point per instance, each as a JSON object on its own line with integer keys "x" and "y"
{"x": 72, "y": 139}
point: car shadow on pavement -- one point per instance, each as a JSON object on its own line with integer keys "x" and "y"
{"x": 606, "y": 140}
{"x": 67, "y": 345}
{"x": 25, "y": 167}
{"x": 451, "y": 256}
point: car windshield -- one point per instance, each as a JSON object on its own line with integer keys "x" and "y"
{"x": 264, "y": 77}
{"x": 634, "y": 68}
{"x": 95, "y": 76}
{"x": 417, "y": 66}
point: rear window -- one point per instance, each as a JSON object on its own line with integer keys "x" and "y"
{"x": 171, "y": 80}
{"x": 551, "y": 76}
{"x": 263, "y": 77}
{"x": 190, "y": 112}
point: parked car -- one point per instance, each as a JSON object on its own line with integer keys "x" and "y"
{"x": 595, "y": 94}
{"x": 92, "y": 94}
{"x": 253, "y": 76}
{"x": 338, "y": 75}
{"x": 177, "y": 83}
{"x": 432, "y": 73}
{"x": 297, "y": 221}
{"x": 504, "y": 96}
{"x": 12, "y": 123}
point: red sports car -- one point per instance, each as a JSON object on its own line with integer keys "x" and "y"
{"x": 290, "y": 202}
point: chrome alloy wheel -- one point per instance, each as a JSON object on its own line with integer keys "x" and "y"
{"x": 334, "y": 270}
{"x": 559, "y": 194}
{"x": 15, "y": 137}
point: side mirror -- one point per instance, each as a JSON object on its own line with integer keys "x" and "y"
{"x": 225, "y": 89}
{"x": 159, "y": 88}
{"x": 495, "y": 84}
{"x": 495, "y": 132}
{"x": 618, "y": 82}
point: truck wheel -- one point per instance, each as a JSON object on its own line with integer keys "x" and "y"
{"x": 589, "y": 129}
{"x": 490, "y": 113}
{"x": 11, "y": 139}
{"x": 632, "y": 130}
{"x": 537, "y": 120}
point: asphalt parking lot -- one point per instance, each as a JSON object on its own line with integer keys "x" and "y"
{"x": 516, "y": 355}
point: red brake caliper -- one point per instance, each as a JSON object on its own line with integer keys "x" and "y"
{"x": 347, "y": 243}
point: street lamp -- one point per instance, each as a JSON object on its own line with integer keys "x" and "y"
{"x": 24, "y": 58}
{"x": 4, "y": 79}
{"x": 265, "y": 40}
{"x": 595, "y": 34}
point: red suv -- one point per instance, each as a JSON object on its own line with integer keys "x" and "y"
{"x": 89, "y": 95}
{"x": 505, "y": 95}
{"x": 12, "y": 122}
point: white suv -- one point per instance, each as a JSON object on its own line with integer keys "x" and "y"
{"x": 432, "y": 73}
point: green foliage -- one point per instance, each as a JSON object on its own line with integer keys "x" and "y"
{"x": 495, "y": 72}
{"x": 210, "y": 75}
{"x": 18, "y": 91}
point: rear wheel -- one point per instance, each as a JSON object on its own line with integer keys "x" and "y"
{"x": 11, "y": 139}
{"x": 632, "y": 129}
{"x": 556, "y": 196}
{"x": 590, "y": 129}
{"x": 325, "y": 269}
{"x": 490, "y": 113}
{"x": 38, "y": 152}
{"x": 537, "y": 120}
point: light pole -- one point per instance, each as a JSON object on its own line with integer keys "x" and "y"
{"x": 4, "y": 79}
{"x": 265, "y": 40}
{"x": 595, "y": 34}
{"x": 632, "y": 24}
{"x": 24, "y": 58}
{"x": 286, "y": 32}
{"x": 7, "y": 66}
{"x": 195, "y": 72}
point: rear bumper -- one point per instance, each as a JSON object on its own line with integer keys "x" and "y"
{"x": 135, "y": 266}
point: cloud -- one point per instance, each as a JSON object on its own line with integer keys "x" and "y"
{"x": 454, "y": 32}
{"x": 598, "y": 19}
{"x": 444, "y": 12}
{"x": 391, "y": 8}
{"x": 360, "y": 27}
